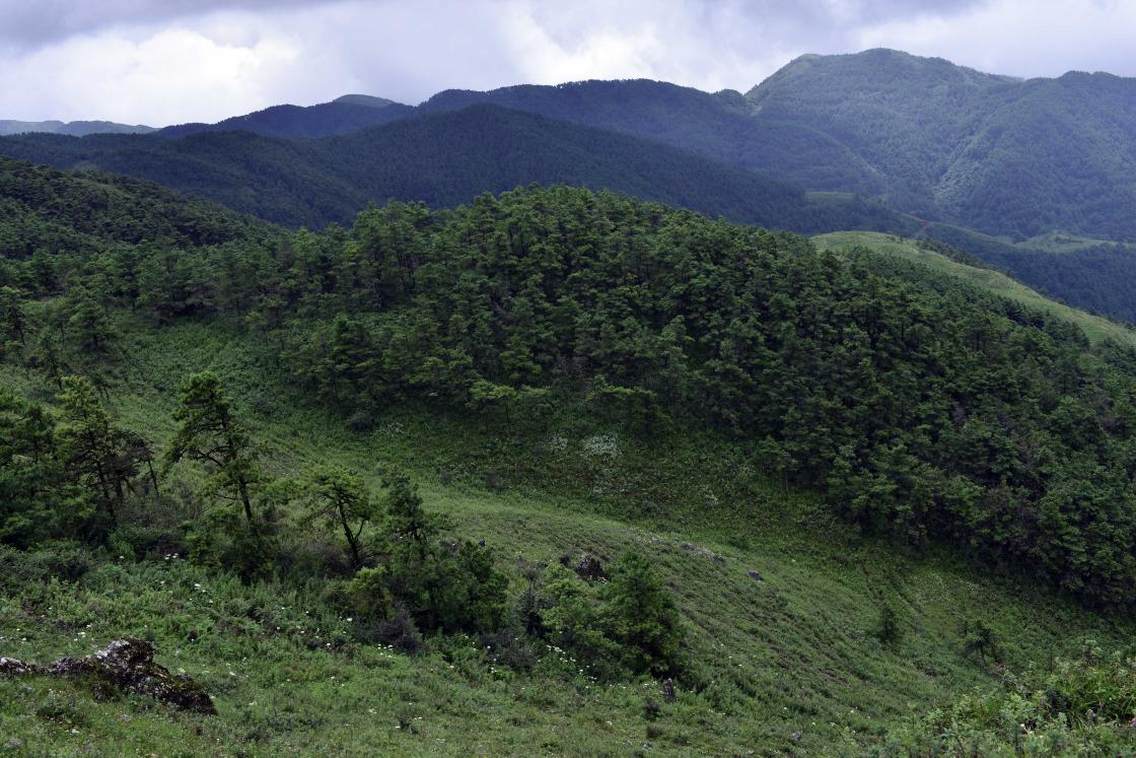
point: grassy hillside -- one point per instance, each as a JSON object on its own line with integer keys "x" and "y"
{"x": 792, "y": 662}
{"x": 1096, "y": 328}
{"x": 842, "y": 503}
{"x": 1090, "y": 274}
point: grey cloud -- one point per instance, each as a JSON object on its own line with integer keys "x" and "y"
{"x": 122, "y": 59}
{"x": 28, "y": 23}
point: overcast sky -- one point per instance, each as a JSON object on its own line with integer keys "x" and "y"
{"x": 171, "y": 61}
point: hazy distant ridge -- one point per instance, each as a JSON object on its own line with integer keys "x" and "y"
{"x": 71, "y": 128}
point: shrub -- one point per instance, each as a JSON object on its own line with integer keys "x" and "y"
{"x": 511, "y": 647}
{"x": 398, "y": 631}
{"x": 643, "y": 617}
{"x": 67, "y": 561}
{"x": 890, "y": 632}
{"x": 447, "y": 586}
{"x": 1096, "y": 683}
{"x": 368, "y": 595}
{"x": 138, "y": 541}
{"x": 361, "y": 422}
{"x": 226, "y": 541}
{"x": 62, "y": 708}
{"x": 978, "y": 639}
{"x": 629, "y": 623}
{"x": 572, "y": 620}
{"x": 1082, "y": 706}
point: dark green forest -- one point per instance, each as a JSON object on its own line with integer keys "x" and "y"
{"x": 465, "y": 143}
{"x": 947, "y": 143}
{"x": 719, "y": 126}
{"x": 921, "y": 407}
{"x": 1098, "y": 277}
{"x": 610, "y": 417}
{"x": 995, "y": 153}
{"x": 920, "y": 415}
{"x": 443, "y": 160}
{"x": 944, "y": 142}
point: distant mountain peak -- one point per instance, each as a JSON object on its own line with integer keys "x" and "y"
{"x": 345, "y": 114}
{"x": 867, "y": 66}
{"x": 368, "y": 100}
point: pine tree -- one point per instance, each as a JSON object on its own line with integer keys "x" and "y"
{"x": 95, "y": 452}
{"x": 339, "y": 498}
{"x": 211, "y": 435}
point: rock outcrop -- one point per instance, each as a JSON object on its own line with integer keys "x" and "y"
{"x": 125, "y": 665}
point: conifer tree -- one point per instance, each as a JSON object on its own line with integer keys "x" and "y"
{"x": 211, "y": 435}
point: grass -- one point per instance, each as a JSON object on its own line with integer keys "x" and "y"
{"x": 789, "y": 663}
{"x": 1096, "y": 328}
{"x": 1062, "y": 242}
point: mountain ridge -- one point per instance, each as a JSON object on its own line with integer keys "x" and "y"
{"x": 340, "y": 116}
{"x": 71, "y": 128}
{"x": 1004, "y": 155}
{"x": 443, "y": 158}
{"x": 880, "y": 140}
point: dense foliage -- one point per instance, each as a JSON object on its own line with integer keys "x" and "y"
{"x": 919, "y": 406}
{"x": 924, "y": 408}
{"x": 990, "y": 152}
{"x": 69, "y": 471}
{"x": 720, "y": 126}
{"x": 933, "y": 411}
{"x": 1002, "y": 155}
{"x": 459, "y": 144}
{"x": 1082, "y": 706}
{"x": 51, "y": 219}
{"x": 445, "y": 159}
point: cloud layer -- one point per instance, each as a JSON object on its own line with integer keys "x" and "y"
{"x": 171, "y": 61}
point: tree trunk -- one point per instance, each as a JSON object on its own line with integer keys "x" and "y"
{"x": 352, "y": 543}
{"x": 242, "y": 487}
{"x": 154, "y": 479}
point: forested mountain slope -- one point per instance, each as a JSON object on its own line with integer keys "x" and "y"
{"x": 995, "y": 153}
{"x": 47, "y": 215}
{"x": 902, "y": 114}
{"x": 795, "y": 469}
{"x": 1001, "y": 155}
{"x": 445, "y": 159}
{"x": 1004, "y": 156}
{"x": 718, "y": 126}
{"x": 849, "y": 376}
{"x": 984, "y": 163}
{"x": 948, "y": 260}
{"x": 340, "y": 116}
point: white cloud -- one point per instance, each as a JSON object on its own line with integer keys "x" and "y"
{"x": 175, "y": 61}
{"x": 1024, "y": 38}
{"x": 168, "y": 76}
